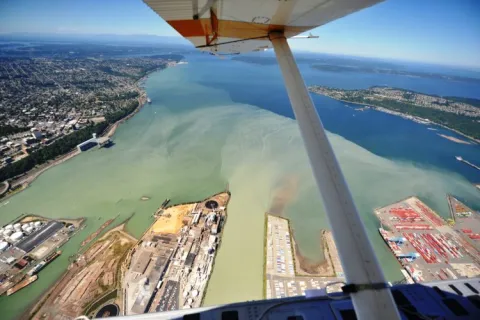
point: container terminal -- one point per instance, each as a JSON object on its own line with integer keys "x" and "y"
{"x": 428, "y": 247}
{"x": 465, "y": 221}
{"x": 170, "y": 266}
{"x": 27, "y": 245}
{"x": 283, "y": 274}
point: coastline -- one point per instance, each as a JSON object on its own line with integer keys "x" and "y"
{"x": 403, "y": 115}
{"x": 19, "y": 184}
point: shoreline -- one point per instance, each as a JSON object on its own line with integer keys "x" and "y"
{"x": 68, "y": 274}
{"x": 403, "y": 115}
{"x": 23, "y": 182}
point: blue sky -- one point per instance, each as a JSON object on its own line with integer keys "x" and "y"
{"x": 436, "y": 31}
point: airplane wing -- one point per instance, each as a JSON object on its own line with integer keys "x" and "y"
{"x": 236, "y": 26}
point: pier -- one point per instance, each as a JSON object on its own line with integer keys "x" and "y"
{"x": 467, "y": 162}
{"x": 283, "y": 273}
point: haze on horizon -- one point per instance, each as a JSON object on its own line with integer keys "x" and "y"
{"x": 435, "y": 32}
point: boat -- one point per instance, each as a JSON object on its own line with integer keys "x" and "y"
{"x": 149, "y": 100}
{"x": 459, "y": 158}
{"x": 22, "y": 284}
{"x": 44, "y": 262}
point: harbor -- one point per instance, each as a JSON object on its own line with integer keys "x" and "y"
{"x": 28, "y": 245}
{"x": 427, "y": 247}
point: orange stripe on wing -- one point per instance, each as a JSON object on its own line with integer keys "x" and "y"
{"x": 230, "y": 29}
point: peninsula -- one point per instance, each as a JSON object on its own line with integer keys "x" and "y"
{"x": 461, "y": 115}
{"x": 286, "y": 272}
{"x": 168, "y": 268}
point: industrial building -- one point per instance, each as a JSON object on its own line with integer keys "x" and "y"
{"x": 92, "y": 142}
{"x": 25, "y": 242}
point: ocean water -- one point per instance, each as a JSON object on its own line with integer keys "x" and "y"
{"x": 217, "y": 122}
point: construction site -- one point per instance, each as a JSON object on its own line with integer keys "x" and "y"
{"x": 92, "y": 280}
{"x": 170, "y": 266}
{"x": 285, "y": 275}
{"x": 428, "y": 247}
{"x": 27, "y": 245}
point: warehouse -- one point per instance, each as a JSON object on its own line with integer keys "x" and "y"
{"x": 32, "y": 241}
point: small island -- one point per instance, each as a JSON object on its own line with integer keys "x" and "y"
{"x": 461, "y": 115}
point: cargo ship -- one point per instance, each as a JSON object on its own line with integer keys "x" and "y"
{"x": 22, "y": 284}
{"x": 44, "y": 262}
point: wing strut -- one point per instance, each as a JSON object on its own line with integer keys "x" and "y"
{"x": 356, "y": 253}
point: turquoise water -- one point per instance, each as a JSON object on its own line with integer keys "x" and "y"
{"x": 189, "y": 143}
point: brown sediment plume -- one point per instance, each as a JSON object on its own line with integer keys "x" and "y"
{"x": 284, "y": 194}
{"x": 305, "y": 266}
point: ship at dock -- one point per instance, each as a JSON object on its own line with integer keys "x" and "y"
{"x": 22, "y": 284}
{"x": 44, "y": 262}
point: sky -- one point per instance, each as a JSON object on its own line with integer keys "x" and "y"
{"x": 435, "y": 31}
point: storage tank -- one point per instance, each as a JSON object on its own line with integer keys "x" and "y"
{"x": 194, "y": 293}
{"x": 31, "y": 224}
{"x": 16, "y": 236}
{"x": 29, "y": 230}
{"x": 25, "y": 226}
{"x": 3, "y": 246}
{"x": 1, "y": 232}
{"x": 37, "y": 224}
{"x": 9, "y": 227}
{"x": 7, "y": 233}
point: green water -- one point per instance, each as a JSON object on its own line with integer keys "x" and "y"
{"x": 187, "y": 145}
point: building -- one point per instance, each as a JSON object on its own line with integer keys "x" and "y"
{"x": 84, "y": 146}
{"x": 36, "y": 134}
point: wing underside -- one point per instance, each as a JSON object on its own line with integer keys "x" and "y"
{"x": 234, "y": 26}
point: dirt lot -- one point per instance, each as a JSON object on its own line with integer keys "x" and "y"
{"x": 92, "y": 275}
{"x": 171, "y": 219}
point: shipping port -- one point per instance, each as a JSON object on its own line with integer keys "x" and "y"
{"x": 27, "y": 245}
{"x": 428, "y": 247}
{"x": 466, "y": 223}
{"x": 170, "y": 266}
{"x": 283, "y": 274}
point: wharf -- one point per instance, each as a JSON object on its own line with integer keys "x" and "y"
{"x": 466, "y": 222}
{"x": 283, "y": 276}
{"x": 426, "y": 246}
{"x": 170, "y": 266}
{"x": 26, "y": 242}
{"x": 467, "y": 162}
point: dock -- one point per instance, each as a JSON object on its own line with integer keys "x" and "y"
{"x": 282, "y": 274}
{"x": 466, "y": 222}
{"x": 27, "y": 243}
{"x": 425, "y": 245}
{"x": 467, "y": 162}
